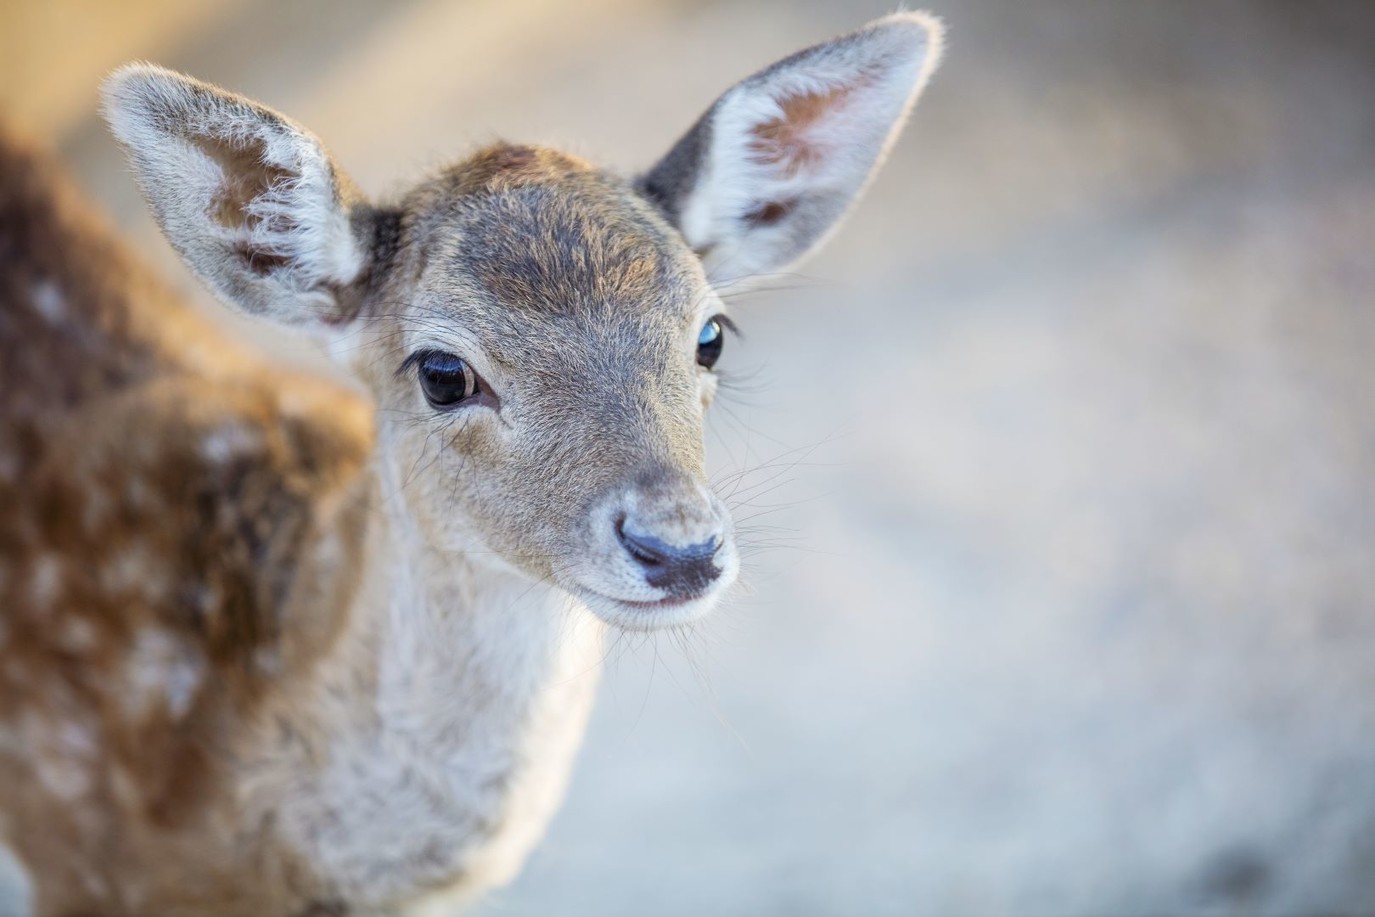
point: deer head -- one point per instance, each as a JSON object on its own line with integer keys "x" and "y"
{"x": 539, "y": 335}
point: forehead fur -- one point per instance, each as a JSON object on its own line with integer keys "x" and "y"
{"x": 534, "y": 230}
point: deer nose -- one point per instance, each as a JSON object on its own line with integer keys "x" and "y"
{"x": 678, "y": 569}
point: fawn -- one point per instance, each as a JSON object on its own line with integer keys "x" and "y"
{"x": 272, "y": 646}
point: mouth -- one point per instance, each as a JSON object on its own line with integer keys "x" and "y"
{"x": 672, "y": 601}
{"x": 633, "y": 614}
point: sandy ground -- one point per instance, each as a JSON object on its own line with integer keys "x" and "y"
{"x": 1062, "y": 593}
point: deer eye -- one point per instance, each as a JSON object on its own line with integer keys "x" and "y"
{"x": 445, "y": 378}
{"x": 709, "y": 343}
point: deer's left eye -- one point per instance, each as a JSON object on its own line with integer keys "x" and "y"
{"x": 709, "y": 343}
{"x": 445, "y": 378}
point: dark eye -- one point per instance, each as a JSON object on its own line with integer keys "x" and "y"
{"x": 445, "y": 378}
{"x": 709, "y": 343}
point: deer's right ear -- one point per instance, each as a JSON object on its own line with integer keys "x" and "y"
{"x": 251, "y": 201}
{"x": 771, "y": 168}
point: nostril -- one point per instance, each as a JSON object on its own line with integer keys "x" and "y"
{"x": 681, "y": 570}
{"x": 647, "y": 550}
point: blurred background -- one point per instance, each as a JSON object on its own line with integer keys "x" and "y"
{"x": 1059, "y": 462}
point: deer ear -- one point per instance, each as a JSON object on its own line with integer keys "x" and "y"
{"x": 250, "y": 200}
{"x": 771, "y": 168}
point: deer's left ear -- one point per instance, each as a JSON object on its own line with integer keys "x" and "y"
{"x": 250, "y": 200}
{"x": 770, "y": 169}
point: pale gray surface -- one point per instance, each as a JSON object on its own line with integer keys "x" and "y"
{"x": 1071, "y": 611}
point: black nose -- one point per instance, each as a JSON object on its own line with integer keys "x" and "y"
{"x": 679, "y": 570}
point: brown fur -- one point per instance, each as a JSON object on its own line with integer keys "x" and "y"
{"x": 579, "y": 288}
{"x": 130, "y": 559}
{"x": 782, "y": 141}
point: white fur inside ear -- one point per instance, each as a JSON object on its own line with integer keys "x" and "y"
{"x": 250, "y": 199}
{"x": 299, "y": 218}
{"x": 792, "y": 147}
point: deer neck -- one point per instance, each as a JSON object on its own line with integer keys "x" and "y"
{"x": 446, "y": 720}
{"x": 463, "y": 638}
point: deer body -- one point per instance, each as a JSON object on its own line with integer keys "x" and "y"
{"x": 272, "y": 646}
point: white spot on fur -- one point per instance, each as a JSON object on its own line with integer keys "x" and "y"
{"x": 228, "y": 442}
{"x": 78, "y": 635}
{"x": 268, "y": 661}
{"x": 162, "y": 668}
{"x": 65, "y": 765}
{"x": 183, "y": 678}
{"x": 76, "y": 740}
{"x": 65, "y": 780}
{"x": 137, "y": 494}
{"x": 132, "y": 568}
{"x": 49, "y": 302}
{"x": 45, "y": 579}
